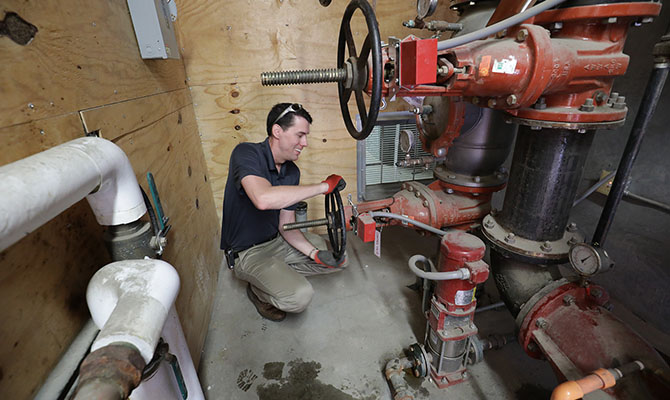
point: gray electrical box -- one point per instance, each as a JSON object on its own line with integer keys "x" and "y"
{"x": 153, "y": 21}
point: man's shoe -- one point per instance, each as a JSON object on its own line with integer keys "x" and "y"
{"x": 266, "y": 310}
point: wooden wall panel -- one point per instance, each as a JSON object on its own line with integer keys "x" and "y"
{"x": 227, "y": 45}
{"x": 84, "y": 55}
{"x": 230, "y": 114}
{"x": 43, "y": 277}
{"x": 43, "y": 283}
{"x": 237, "y": 40}
{"x": 20, "y": 141}
{"x": 84, "y": 58}
{"x": 160, "y": 136}
{"x": 112, "y": 122}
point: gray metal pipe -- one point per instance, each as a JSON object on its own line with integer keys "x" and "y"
{"x": 407, "y": 220}
{"x": 58, "y": 381}
{"x": 650, "y": 99}
{"x": 396, "y": 376}
{"x": 462, "y": 273}
{"x": 499, "y": 26}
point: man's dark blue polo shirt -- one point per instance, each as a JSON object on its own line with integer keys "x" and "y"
{"x": 243, "y": 224}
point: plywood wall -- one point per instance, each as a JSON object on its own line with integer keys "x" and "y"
{"x": 226, "y": 46}
{"x": 83, "y": 72}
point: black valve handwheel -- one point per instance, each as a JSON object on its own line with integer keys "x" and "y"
{"x": 359, "y": 66}
{"x": 334, "y": 222}
{"x": 337, "y": 232}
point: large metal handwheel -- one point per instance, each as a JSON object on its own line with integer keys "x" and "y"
{"x": 334, "y": 221}
{"x": 359, "y": 69}
{"x": 337, "y": 232}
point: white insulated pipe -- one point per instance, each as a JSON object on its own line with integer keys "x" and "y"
{"x": 129, "y": 301}
{"x": 38, "y": 188}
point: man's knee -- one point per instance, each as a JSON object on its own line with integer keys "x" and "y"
{"x": 298, "y": 300}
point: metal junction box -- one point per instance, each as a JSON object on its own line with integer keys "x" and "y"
{"x": 153, "y": 21}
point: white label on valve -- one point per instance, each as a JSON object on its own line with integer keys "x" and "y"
{"x": 378, "y": 243}
{"x": 464, "y": 297}
{"x": 504, "y": 66}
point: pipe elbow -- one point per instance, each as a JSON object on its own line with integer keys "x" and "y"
{"x": 39, "y": 187}
{"x": 129, "y": 301}
{"x": 394, "y": 367}
{"x": 459, "y": 274}
{"x": 118, "y": 199}
{"x": 569, "y": 390}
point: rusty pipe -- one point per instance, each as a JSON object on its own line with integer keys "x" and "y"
{"x": 396, "y": 376}
{"x": 110, "y": 373}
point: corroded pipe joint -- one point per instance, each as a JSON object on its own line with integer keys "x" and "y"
{"x": 395, "y": 374}
{"x": 111, "y": 372}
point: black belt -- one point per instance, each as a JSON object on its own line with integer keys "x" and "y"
{"x": 231, "y": 256}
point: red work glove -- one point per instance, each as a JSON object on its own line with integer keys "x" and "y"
{"x": 325, "y": 257}
{"x": 335, "y": 182}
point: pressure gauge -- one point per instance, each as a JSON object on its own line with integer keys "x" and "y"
{"x": 406, "y": 140}
{"x": 588, "y": 260}
{"x": 425, "y": 8}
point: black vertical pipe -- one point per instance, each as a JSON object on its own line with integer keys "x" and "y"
{"x": 648, "y": 105}
{"x": 518, "y": 281}
{"x": 544, "y": 176}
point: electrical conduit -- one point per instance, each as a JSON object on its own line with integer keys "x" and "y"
{"x": 407, "y": 220}
{"x": 461, "y": 273}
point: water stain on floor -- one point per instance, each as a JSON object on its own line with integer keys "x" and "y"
{"x": 301, "y": 383}
{"x": 273, "y": 370}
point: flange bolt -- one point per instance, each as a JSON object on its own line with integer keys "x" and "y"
{"x": 587, "y": 106}
{"x": 620, "y": 103}
{"x": 521, "y": 35}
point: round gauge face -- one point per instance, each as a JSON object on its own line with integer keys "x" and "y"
{"x": 585, "y": 259}
{"x": 406, "y": 140}
{"x": 425, "y": 8}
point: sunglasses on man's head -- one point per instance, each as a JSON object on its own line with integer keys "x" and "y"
{"x": 295, "y": 107}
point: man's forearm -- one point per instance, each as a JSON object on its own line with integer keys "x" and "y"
{"x": 296, "y": 239}
{"x": 278, "y": 197}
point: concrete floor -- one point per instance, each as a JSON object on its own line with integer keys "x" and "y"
{"x": 358, "y": 320}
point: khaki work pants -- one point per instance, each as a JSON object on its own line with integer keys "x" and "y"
{"x": 276, "y": 272}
